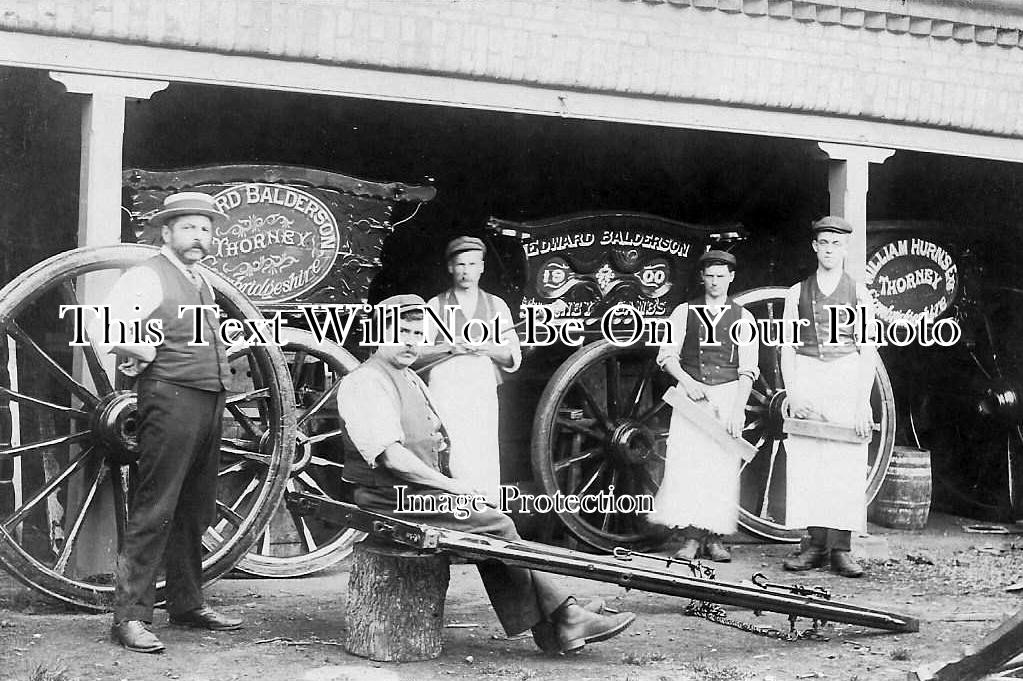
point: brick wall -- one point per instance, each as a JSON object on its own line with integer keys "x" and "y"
{"x": 918, "y": 63}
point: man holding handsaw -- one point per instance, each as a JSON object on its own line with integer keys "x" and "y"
{"x": 700, "y": 489}
{"x": 828, "y": 382}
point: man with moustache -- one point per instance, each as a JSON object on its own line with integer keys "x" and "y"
{"x": 181, "y": 390}
{"x": 464, "y": 385}
{"x": 700, "y": 490}
{"x": 390, "y": 417}
{"x": 825, "y": 479}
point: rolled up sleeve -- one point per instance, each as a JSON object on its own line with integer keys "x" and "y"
{"x": 369, "y": 408}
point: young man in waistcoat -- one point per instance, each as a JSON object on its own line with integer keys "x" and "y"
{"x": 181, "y": 391}
{"x": 700, "y": 489}
{"x": 464, "y": 387}
{"x": 826, "y": 479}
{"x": 391, "y": 418}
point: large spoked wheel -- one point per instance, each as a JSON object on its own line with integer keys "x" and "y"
{"x": 601, "y": 424}
{"x": 762, "y": 485}
{"x": 65, "y": 429}
{"x": 293, "y": 545}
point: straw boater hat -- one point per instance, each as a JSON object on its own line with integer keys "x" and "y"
{"x": 186, "y": 203}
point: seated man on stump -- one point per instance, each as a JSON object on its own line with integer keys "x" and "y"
{"x": 389, "y": 416}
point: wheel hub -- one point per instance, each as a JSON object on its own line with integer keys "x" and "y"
{"x": 776, "y": 414}
{"x": 632, "y": 443}
{"x": 115, "y": 422}
{"x": 1002, "y": 401}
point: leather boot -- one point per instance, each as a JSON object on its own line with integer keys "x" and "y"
{"x": 576, "y": 627}
{"x": 715, "y": 550}
{"x": 813, "y": 557}
{"x": 690, "y": 547}
{"x": 545, "y": 636}
{"x": 133, "y": 635}
{"x": 843, "y": 564}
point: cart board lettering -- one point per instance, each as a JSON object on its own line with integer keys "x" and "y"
{"x": 912, "y": 279}
{"x": 277, "y": 243}
{"x": 582, "y": 266}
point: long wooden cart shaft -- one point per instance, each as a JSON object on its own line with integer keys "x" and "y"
{"x": 536, "y": 556}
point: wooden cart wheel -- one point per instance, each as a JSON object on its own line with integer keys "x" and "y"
{"x": 601, "y": 423}
{"x": 762, "y": 486}
{"x": 966, "y": 408}
{"x": 293, "y": 545}
{"x": 63, "y": 494}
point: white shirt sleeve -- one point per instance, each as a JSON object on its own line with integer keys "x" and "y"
{"x": 749, "y": 353}
{"x": 369, "y": 407}
{"x": 678, "y": 320}
{"x": 509, "y": 336}
{"x": 134, "y": 297}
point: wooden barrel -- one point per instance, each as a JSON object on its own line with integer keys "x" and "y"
{"x": 904, "y": 499}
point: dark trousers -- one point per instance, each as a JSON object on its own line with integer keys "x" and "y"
{"x": 521, "y": 598}
{"x": 173, "y": 501}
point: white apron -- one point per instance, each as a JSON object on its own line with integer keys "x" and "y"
{"x": 701, "y": 482}
{"x": 464, "y": 391}
{"x": 825, "y": 481}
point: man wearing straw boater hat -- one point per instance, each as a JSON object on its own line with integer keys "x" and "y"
{"x": 826, "y": 478}
{"x": 181, "y": 391}
{"x": 401, "y": 444}
{"x": 699, "y": 493}
{"x": 465, "y": 376}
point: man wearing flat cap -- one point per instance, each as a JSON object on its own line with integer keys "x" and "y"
{"x": 699, "y": 493}
{"x": 400, "y": 440}
{"x": 825, "y": 479}
{"x": 464, "y": 384}
{"x": 181, "y": 391}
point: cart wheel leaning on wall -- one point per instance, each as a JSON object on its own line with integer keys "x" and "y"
{"x": 63, "y": 507}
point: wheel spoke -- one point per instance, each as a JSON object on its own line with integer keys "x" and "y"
{"x": 591, "y": 403}
{"x": 319, "y": 403}
{"x": 26, "y": 399}
{"x": 229, "y": 513}
{"x": 96, "y": 368}
{"x": 580, "y": 427}
{"x": 20, "y": 514}
{"x": 655, "y": 409}
{"x": 320, "y": 437}
{"x": 311, "y": 483}
{"x": 613, "y": 386}
{"x": 593, "y": 478}
{"x": 257, "y": 394}
{"x": 246, "y": 422}
{"x": 51, "y": 365}
{"x": 258, "y": 457}
{"x": 21, "y": 450}
{"x": 72, "y": 535}
{"x": 320, "y": 461}
{"x": 637, "y": 391}
{"x": 577, "y": 458}
{"x": 652, "y": 487}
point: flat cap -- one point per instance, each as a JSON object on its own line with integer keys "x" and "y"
{"x": 402, "y": 302}
{"x": 715, "y": 257}
{"x": 462, "y": 244}
{"x": 831, "y": 223}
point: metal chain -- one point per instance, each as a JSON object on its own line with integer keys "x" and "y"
{"x": 716, "y": 614}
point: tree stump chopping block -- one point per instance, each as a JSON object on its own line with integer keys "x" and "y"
{"x": 395, "y": 608}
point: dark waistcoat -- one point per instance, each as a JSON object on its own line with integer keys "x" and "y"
{"x": 812, "y": 306}
{"x": 204, "y": 367}
{"x": 711, "y": 364}
{"x": 424, "y": 434}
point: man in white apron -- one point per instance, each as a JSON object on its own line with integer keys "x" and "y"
{"x": 700, "y": 489}
{"x": 826, "y": 479}
{"x": 464, "y": 386}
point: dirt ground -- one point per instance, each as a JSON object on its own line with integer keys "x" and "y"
{"x": 954, "y": 581}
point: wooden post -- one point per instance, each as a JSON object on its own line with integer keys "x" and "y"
{"x": 395, "y": 603}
